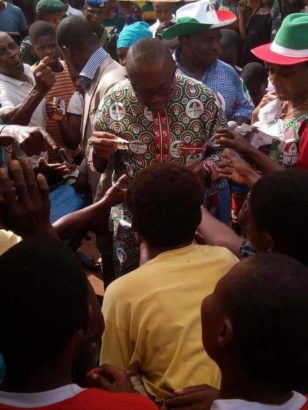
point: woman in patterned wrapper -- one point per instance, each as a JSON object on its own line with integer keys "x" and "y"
{"x": 280, "y": 133}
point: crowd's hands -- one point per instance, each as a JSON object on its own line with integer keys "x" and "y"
{"x": 104, "y": 144}
{"x": 117, "y": 193}
{"x": 44, "y": 76}
{"x": 233, "y": 167}
{"x": 51, "y": 109}
{"x": 24, "y": 201}
{"x": 197, "y": 167}
{"x": 110, "y": 378}
{"x": 61, "y": 169}
{"x": 31, "y": 140}
{"x": 193, "y": 398}
{"x": 227, "y": 138}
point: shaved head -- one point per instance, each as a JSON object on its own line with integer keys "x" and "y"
{"x": 151, "y": 70}
{"x": 77, "y": 41}
{"x": 148, "y": 52}
{"x": 75, "y": 33}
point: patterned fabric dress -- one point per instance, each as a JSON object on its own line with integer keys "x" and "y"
{"x": 288, "y": 148}
{"x": 182, "y": 133}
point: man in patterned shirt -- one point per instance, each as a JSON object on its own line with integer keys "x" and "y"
{"x": 164, "y": 117}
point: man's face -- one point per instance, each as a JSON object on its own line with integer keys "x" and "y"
{"x": 94, "y": 16}
{"x": 163, "y": 11}
{"x": 154, "y": 86}
{"x": 10, "y": 57}
{"x": 203, "y": 47}
{"x": 55, "y": 19}
{"x": 46, "y": 46}
{"x": 122, "y": 53}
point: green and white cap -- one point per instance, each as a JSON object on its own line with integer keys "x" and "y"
{"x": 198, "y": 16}
{"x": 290, "y": 45}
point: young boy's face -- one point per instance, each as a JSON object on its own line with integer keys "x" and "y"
{"x": 163, "y": 11}
{"x": 46, "y": 46}
{"x": 216, "y": 327}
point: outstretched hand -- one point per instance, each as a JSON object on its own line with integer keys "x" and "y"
{"x": 117, "y": 193}
{"x": 193, "y": 398}
{"x": 110, "y": 378}
{"x": 233, "y": 167}
{"x": 24, "y": 201}
{"x": 231, "y": 139}
{"x": 32, "y": 140}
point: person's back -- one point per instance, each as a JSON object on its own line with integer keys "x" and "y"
{"x": 12, "y": 19}
{"x": 38, "y": 277}
{"x": 152, "y": 315}
{"x": 254, "y": 327}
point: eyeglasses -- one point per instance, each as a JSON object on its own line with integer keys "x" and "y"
{"x": 161, "y": 92}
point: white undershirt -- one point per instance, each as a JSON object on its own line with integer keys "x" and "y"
{"x": 41, "y": 399}
{"x": 296, "y": 402}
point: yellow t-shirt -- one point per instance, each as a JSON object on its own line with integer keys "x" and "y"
{"x": 7, "y": 240}
{"x": 153, "y": 323}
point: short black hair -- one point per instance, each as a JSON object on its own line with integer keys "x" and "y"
{"x": 230, "y": 39}
{"x": 43, "y": 300}
{"x": 76, "y": 33}
{"x": 165, "y": 201}
{"x": 254, "y": 73}
{"x": 268, "y": 306}
{"x": 40, "y": 29}
{"x": 279, "y": 204}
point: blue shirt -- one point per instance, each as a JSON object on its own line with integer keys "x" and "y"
{"x": 224, "y": 80}
{"x": 89, "y": 70}
{"x": 12, "y": 19}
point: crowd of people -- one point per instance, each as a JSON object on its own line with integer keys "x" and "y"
{"x": 182, "y": 130}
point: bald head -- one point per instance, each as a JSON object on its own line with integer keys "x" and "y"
{"x": 147, "y": 53}
{"x": 75, "y": 33}
{"x": 151, "y": 70}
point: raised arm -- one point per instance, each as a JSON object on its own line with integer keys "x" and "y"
{"x": 22, "y": 113}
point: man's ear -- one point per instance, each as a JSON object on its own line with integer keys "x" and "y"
{"x": 225, "y": 334}
{"x": 269, "y": 243}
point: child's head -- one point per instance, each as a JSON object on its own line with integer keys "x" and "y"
{"x": 255, "y": 325}
{"x": 43, "y": 39}
{"x": 277, "y": 214}
{"x": 255, "y": 76}
{"x": 47, "y": 313}
{"x": 163, "y": 11}
{"x": 229, "y": 46}
{"x": 176, "y": 191}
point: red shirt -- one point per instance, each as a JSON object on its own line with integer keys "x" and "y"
{"x": 95, "y": 399}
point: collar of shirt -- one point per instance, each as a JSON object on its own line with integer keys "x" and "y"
{"x": 89, "y": 70}
{"x": 15, "y": 81}
{"x": 296, "y": 402}
{"x": 40, "y": 399}
{"x": 176, "y": 58}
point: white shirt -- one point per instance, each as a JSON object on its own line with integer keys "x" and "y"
{"x": 71, "y": 11}
{"x": 296, "y": 402}
{"x": 76, "y": 104}
{"x": 13, "y": 92}
{"x": 41, "y": 399}
{"x": 154, "y": 27}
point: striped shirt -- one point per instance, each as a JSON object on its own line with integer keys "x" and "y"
{"x": 63, "y": 88}
{"x": 89, "y": 70}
